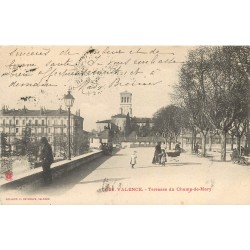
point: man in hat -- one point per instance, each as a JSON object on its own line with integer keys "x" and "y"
{"x": 47, "y": 159}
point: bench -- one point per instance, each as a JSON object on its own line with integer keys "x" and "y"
{"x": 242, "y": 160}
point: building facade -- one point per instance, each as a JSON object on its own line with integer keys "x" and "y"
{"x": 118, "y": 121}
{"x": 52, "y": 124}
{"x": 102, "y": 125}
{"x": 126, "y": 103}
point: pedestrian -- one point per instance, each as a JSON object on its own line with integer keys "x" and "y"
{"x": 47, "y": 159}
{"x": 133, "y": 159}
{"x": 163, "y": 157}
{"x": 157, "y": 153}
{"x": 177, "y": 147}
{"x": 196, "y": 148}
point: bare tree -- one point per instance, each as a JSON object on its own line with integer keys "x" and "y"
{"x": 227, "y": 90}
{"x": 213, "y": 86}
{"x": 168, "y": 121}
{"x": 191, "y": 91}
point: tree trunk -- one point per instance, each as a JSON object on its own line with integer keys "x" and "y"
{"x": 238, "y": 143}
{"x": 247, "y": 144}
{"x": 238, "y": 139}
{"x": 232, "y": 142}
{"x": 210, "y": 142}
{"x": 165, "y": 141}
{"x": 223, "y": 145}
{"x": 176, "y": 138}
{"x": 169, "y": 144}
{"x": 192, "y": 142}
{"x": 203, "y": 144}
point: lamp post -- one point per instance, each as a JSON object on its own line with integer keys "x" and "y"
{"x": 69, "y": 101}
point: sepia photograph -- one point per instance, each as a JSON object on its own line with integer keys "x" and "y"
{"x": 124, "y": 125}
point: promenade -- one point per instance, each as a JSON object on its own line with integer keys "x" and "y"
{"x": 187, "y": 179}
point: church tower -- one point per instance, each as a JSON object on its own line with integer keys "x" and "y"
{"x": 126, "y": 103}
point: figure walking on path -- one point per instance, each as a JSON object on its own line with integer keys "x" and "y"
{"x": 157, "y": 153}
{"x": 163, "y": 157}
{"x": 133, "y": 159}
{"x": 47, "y": 159}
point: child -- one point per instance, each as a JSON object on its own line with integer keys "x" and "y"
{"x": 163, "y": 157}
{"x": 133, "y": 159}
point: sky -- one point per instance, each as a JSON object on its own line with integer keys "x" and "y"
{"x": 147, "y": 72}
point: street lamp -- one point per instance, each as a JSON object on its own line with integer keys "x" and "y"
{"x": 69, "y": 101}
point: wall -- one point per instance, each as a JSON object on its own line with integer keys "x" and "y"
{"x": 34, "y": 177}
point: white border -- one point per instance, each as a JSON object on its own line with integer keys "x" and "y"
{"x": 124, "y": 23}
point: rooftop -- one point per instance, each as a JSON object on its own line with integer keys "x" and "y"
{"x": 125, "y": 92}
{"x": 104, "y": 121}
{"x": 119, "y": 116}
{"x": 40, "y": 112}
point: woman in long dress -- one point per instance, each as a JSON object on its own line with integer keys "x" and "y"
{"x": 157, "y": 153}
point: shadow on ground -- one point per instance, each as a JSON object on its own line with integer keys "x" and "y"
{"x": 172, "y": 164}
{"x": 70, "y": 179}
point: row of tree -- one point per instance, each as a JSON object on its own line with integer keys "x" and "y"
{"x": 4, "y": 146}
{"x": 29, "y": 144}
{"x": 213, "y": 91}
{"x": 132, "y": 126}
{"x": 169, "y": 122}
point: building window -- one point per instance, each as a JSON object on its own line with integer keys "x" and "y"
{"x": 35, "y": 130}
{"x": 48, "y": 122}
{"x": 16, "y": 122}
{"x": 43, "y": 122}
{"x": 42, "y": 130}
{"x": 3, "y": 121}
{"x": 29, "y": 122}
{"x": 55, "y": 122}
{"x": 10, "y": 122}
{"x": 36, "y": 122}
{"x": 61, "y": 130}
{"x": 61, "y": 122}
{"x": 16, "y": 130}
{"x": 23, "y": 122}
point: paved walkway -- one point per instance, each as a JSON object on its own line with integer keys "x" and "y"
{"x": 187, "y": 179}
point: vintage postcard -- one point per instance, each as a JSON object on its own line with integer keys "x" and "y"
{"x": 124, "y": 125}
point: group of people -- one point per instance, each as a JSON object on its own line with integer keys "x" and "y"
{"x": 107, "y": 148}
{"x": 237, "y": 153}
{"x": 160, "y": 155}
